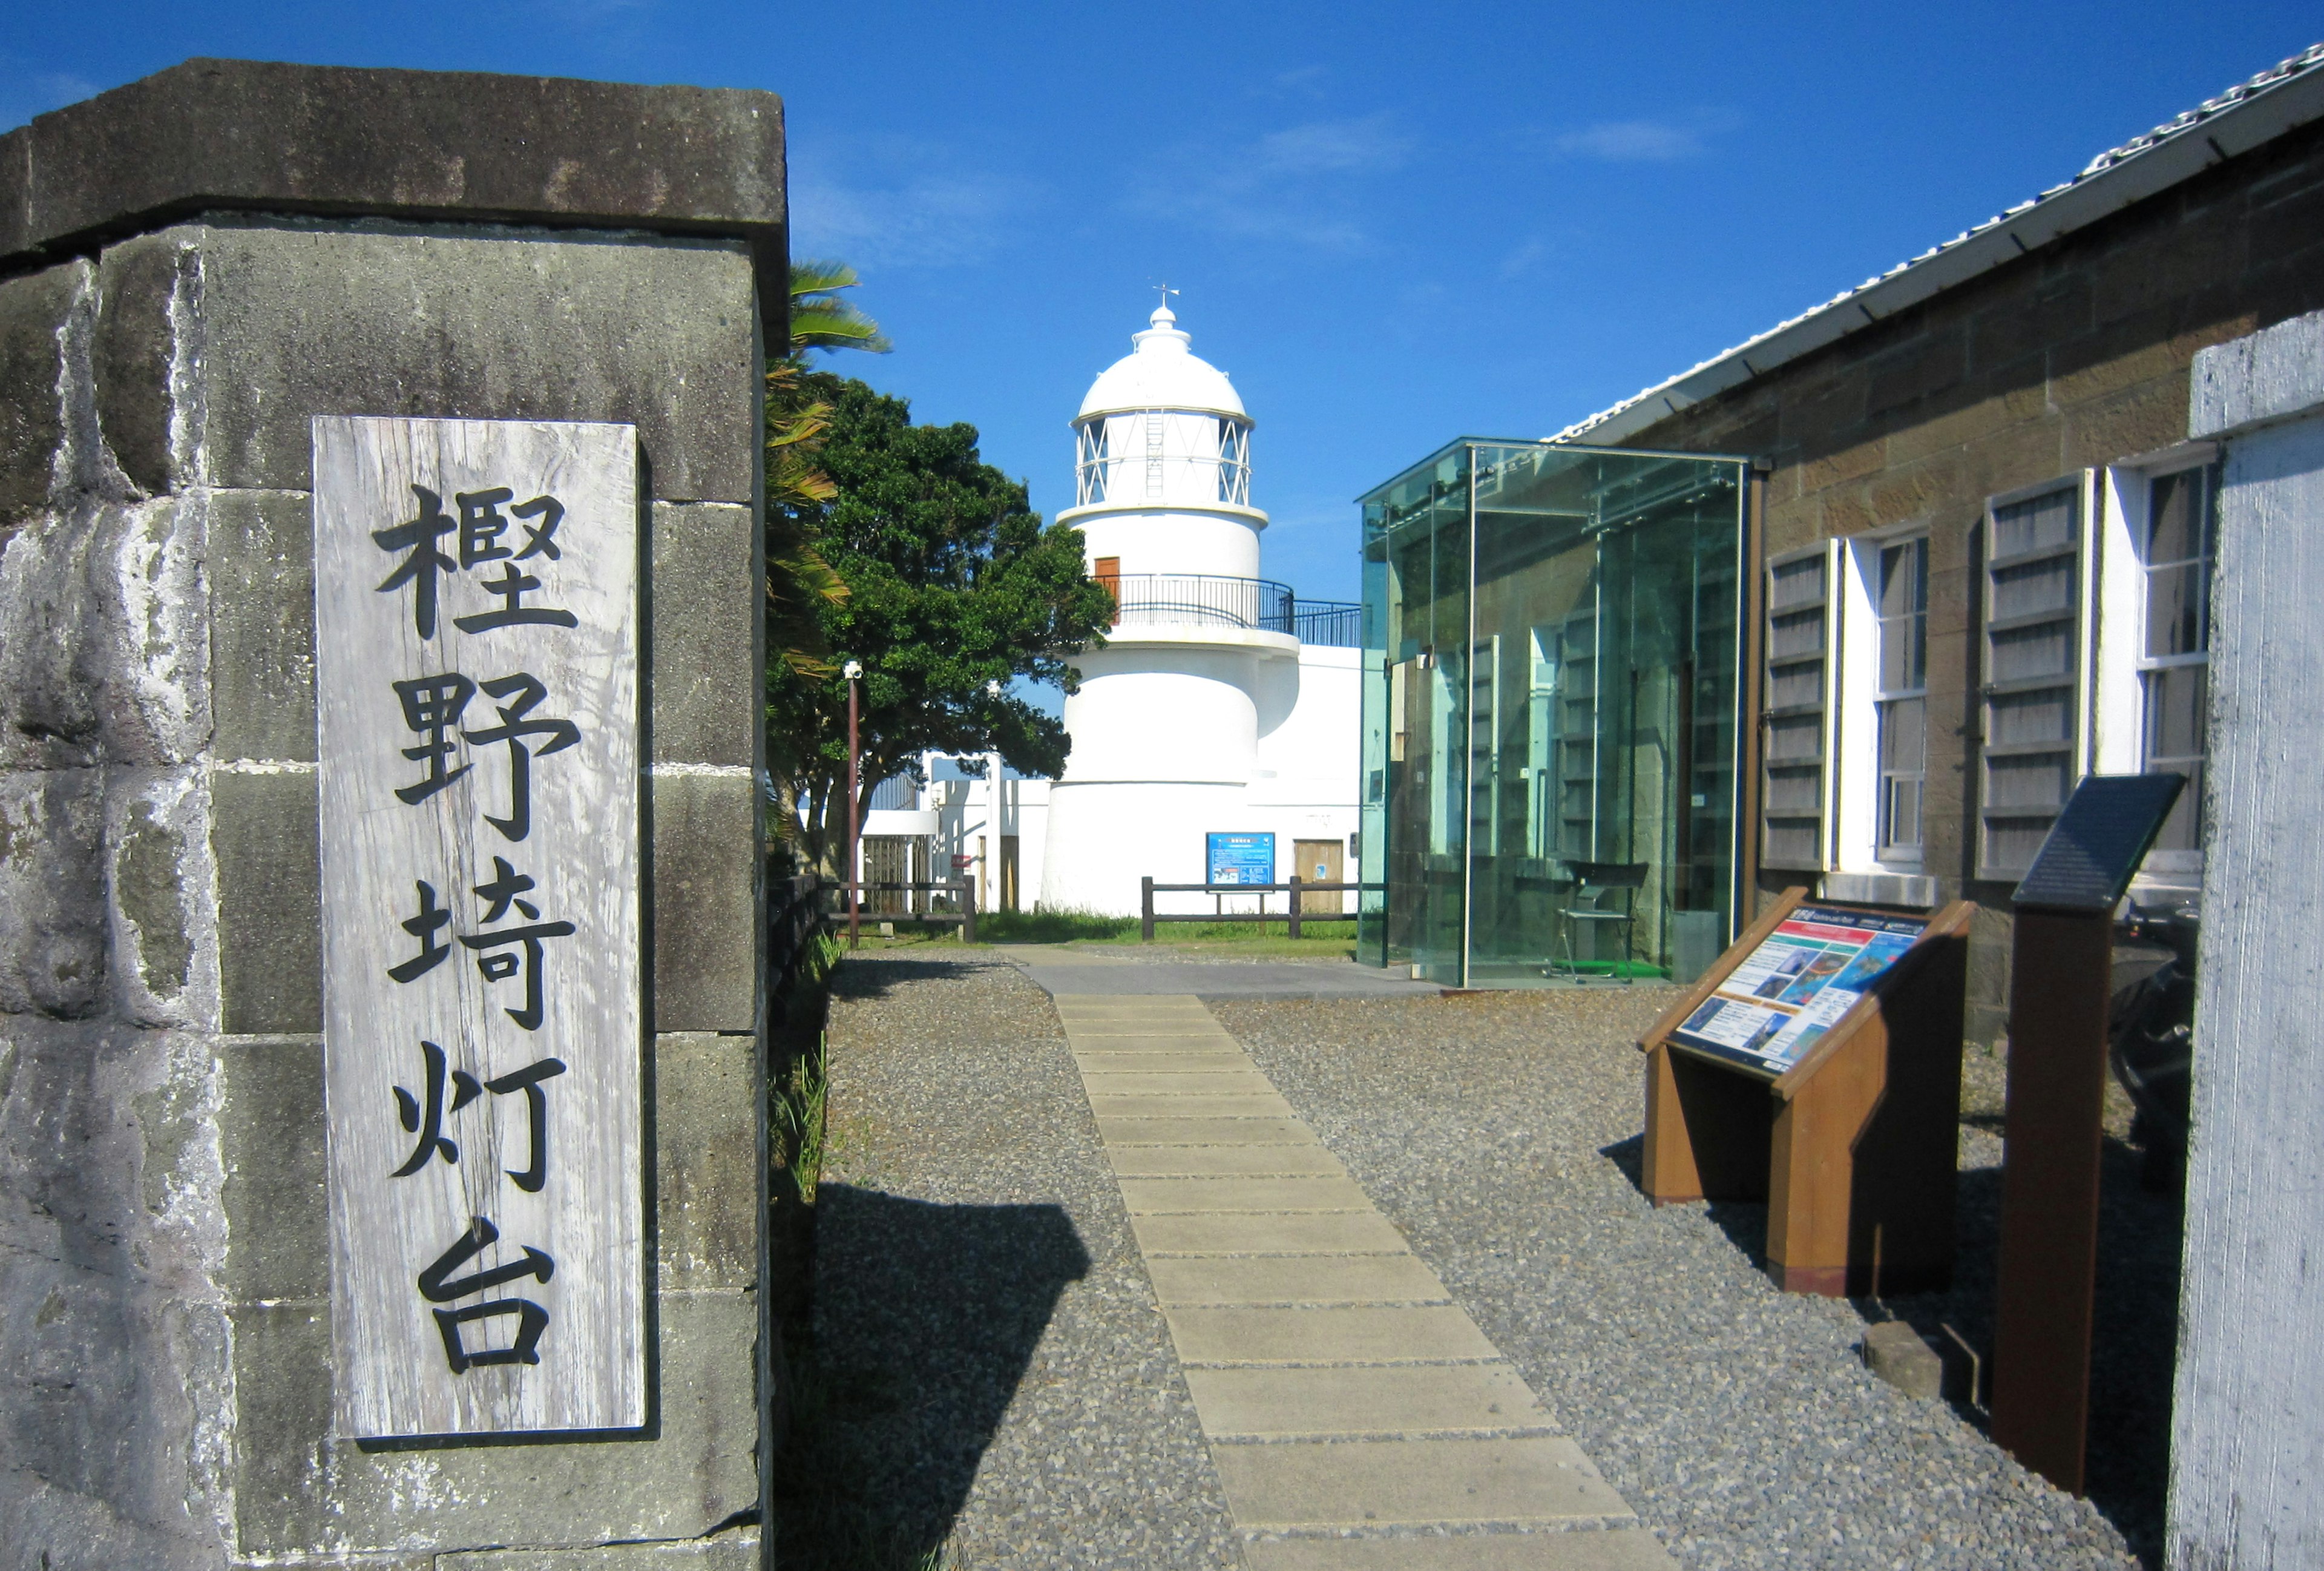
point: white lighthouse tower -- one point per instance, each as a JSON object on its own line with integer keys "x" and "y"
{"x": 1204, "y": 713}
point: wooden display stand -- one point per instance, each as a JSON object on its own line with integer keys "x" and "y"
{"x": 1853, "y": 1148}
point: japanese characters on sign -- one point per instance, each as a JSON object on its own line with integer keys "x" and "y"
{"x": 476, "y": 676}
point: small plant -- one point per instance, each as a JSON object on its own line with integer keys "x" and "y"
{"x": 802, "y": 1122}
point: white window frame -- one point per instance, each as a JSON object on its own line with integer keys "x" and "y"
{"x": 2088, "y": 485}
{"x": 1856, "y": 746}
{"x": 2119, "y": 744}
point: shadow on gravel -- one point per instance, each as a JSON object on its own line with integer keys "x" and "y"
{"x": 2135, "y": 1338}
{"x": 926, "y": 1323}
{"x": 866, "y": 975}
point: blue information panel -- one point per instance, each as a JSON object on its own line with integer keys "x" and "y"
{"x": 1239, "y": 858}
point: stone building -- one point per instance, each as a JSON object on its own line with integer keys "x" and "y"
{"x": 1986, "y": 536}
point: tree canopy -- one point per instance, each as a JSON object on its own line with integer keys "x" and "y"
{"x": 952, "y": 589}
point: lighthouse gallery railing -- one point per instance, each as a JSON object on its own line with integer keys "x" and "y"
{"x": 1204, "y": 599}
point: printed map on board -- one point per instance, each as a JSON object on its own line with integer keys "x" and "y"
{"x": 1795, "y": 987}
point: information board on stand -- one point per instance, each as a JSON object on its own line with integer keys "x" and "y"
{"x": 1794, "y": 986}
{"x": 1239, "y": 858}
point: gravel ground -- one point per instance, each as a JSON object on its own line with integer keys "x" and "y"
{"x": 1500, "y": 1132}
{"x": 997, "y": 1371}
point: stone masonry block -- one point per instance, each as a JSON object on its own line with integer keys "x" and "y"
{"x": 707, "y": 1159}
{"x": 1896, "y": 1353}
{"x": 32, "y": 312}
{"x": 164, "y": 948}
{"x": 302, "y": 1487}
{"x": 272, "y": 1141}
{"x": 218, "y": 136}
{"x": 708, "y": 660}
{"x": 705, "y": 883}
{"x": 506, "y": 326}
{"x": 262, "y": 582}
{"x": 112, "y": 1361}
{"x": 52, "y": 909}
{"x": 139, "y": 285}
{"x": 107, "y": 645}
{"x": 264, "y": 836}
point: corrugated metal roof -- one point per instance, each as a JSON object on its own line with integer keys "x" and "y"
{"x": 2243, "y": 118}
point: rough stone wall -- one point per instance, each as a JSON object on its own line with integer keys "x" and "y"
{"x": 2075, "y": 356}
{"x": 164, "y": 1273}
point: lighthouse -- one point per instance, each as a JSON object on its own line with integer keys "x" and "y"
{"x": 1221, "y": 704}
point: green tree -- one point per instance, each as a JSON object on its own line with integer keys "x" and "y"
{"x": 955, "y": 588}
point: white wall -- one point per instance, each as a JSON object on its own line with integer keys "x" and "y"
{"x": 1223, "y": 544}
{"x": 2247, "y": 1417}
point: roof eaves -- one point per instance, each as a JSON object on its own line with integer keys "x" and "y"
{"x": 2244, "y": 117}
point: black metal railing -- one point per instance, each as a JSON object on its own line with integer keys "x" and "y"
{"x": 1329, "y": 623}
{"x": 1211, "y": 600}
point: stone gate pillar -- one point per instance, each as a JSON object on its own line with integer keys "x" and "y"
{"x": 192, "y": 269}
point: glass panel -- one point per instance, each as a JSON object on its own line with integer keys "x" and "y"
{"x": 2176, "y": 518}
{"x": 1905, "y": 617}
{"x": 2174, "y": 716}
{"x": 2176, "y": 600}
{"x": 1416, "y": 575}
{"x": 1587, "y": 706}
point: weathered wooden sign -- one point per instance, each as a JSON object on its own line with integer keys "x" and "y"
{"x": 476, "y": 653}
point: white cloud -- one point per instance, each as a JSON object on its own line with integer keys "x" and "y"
{"x": 1637, "y": 140}
{"x": 1521, "y": 260}
{"x": 904, "y": 219}
{"x": 1295, "y": 184}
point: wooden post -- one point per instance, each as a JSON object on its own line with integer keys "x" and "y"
{"x": 2061, "y": 967}
{"x": 2061, "y": 975}
{"x": 1146, "y": 911}
{"x": 1295, "y": 906}
{"x": 967, "y": 912}
{"x": 855, "y": 854}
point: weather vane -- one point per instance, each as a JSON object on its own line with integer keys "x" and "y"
{"x": 1166, "y": 292}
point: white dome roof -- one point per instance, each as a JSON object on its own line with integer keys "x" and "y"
{"x": 1160, "y": 374}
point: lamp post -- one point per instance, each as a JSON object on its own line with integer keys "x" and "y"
{"x": 854, "y": 672}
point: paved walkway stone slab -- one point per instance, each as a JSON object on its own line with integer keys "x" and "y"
{"x": 1161, "y": 1196}
{"x": 1229, "y": 1104}
{"x": 1185, "y": 1130}
{"x": 1620, "y": 1549}
{"x": 1183, "y": 1162}
{"x": 1328, "y": 1278}
{"x": 1266, "y": 1233}
{"x": 1341, "y": 1390}
{"x": 1428, "y": 1399}
{"x": 1177, "y": 1083}
{"x": 1356, "y": 1483}
{"x": 1350, "y": 1333}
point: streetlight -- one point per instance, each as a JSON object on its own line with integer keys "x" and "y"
{"x": 854, "y": 672}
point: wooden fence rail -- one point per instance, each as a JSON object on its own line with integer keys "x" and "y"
{"x": 1148, "y": 916}
{"x": 962, "y": 890}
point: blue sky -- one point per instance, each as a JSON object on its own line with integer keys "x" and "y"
{"x": 1391, "y": 223}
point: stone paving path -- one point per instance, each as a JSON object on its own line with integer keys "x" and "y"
{"x": 1357, "y": 1417}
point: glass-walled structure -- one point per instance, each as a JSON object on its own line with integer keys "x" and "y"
{"x": 1552, "y": 640}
